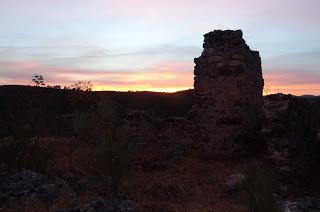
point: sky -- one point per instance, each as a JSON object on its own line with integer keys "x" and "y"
{"x": 150, "y": 44}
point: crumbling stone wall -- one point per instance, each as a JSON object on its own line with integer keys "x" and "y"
{"x": 228, "y": 88}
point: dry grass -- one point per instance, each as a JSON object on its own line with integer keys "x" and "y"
{"x": 188, "y": 184}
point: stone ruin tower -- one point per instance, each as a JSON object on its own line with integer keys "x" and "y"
{"x": 228, "y": 87}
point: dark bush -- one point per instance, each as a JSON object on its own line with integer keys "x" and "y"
{"x": 113, "y": 158}
{"x": 303, "y": 124}
{"x": 259, "y": 189}
{"x": 112, "y": 152}
{"x": 16, "y": 154}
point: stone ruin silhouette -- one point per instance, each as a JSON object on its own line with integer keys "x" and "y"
{"x": 228, "y": 88}
{"x": 226, "y": 115}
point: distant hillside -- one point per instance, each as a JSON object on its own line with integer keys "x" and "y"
{"x": 50, "y": 110}
{"x": 163, "y": 104}
{"x": 311, "y": 98}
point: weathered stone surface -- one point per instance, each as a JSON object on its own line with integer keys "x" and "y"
{"x": 102, "y": 205}
{"x": 159, "y": 141}
{"x": 234, "y": 182}
{"x": 303, "y": 204}
{"x": 228, "y": 93}
{"x": 290, "y": 128}
{"x": 30, "y": 186}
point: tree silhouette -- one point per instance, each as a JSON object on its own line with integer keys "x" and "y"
{"x": 82, "y": 86}
{"x": 38, "y": 80}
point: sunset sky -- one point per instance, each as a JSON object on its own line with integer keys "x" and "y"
{"x": 150, "y": 44}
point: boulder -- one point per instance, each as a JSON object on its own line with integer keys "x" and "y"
{"x": 31, "y": 186}
{"x": 234, "y": 182}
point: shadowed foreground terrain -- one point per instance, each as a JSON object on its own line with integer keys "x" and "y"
{"x": 219, "y": 147}
{"x": 55, "y": 136}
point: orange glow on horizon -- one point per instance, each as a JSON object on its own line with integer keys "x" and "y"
{"x": 141, "y": 88}
{"x": 295, "y": 83}
{"x": 163, "y": 77}
{"x": 298, "y": 90}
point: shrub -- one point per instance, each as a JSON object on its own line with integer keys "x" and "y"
{"x": 10, "y": 154}
{"x": 113, "y": 157}
{"x": 113, "y": 153}
{"x": 38, "y": 156}
{"x": 82, "y": 86}
{"x": 16, "y": 154}
{"x": 304, "y": 147}
{"x": 259, "y": 191}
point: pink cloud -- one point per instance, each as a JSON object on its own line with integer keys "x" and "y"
{"x": 292, "y": 82}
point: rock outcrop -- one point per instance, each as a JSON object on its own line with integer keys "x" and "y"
{"x": 159, "y": 141}
{"x": 101, "y": 205}
{"x": 228, "y": 88}
{"x": 300, "y": 205}
{"x": 28, "y": 186}
{"x": 291, "y": 129}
